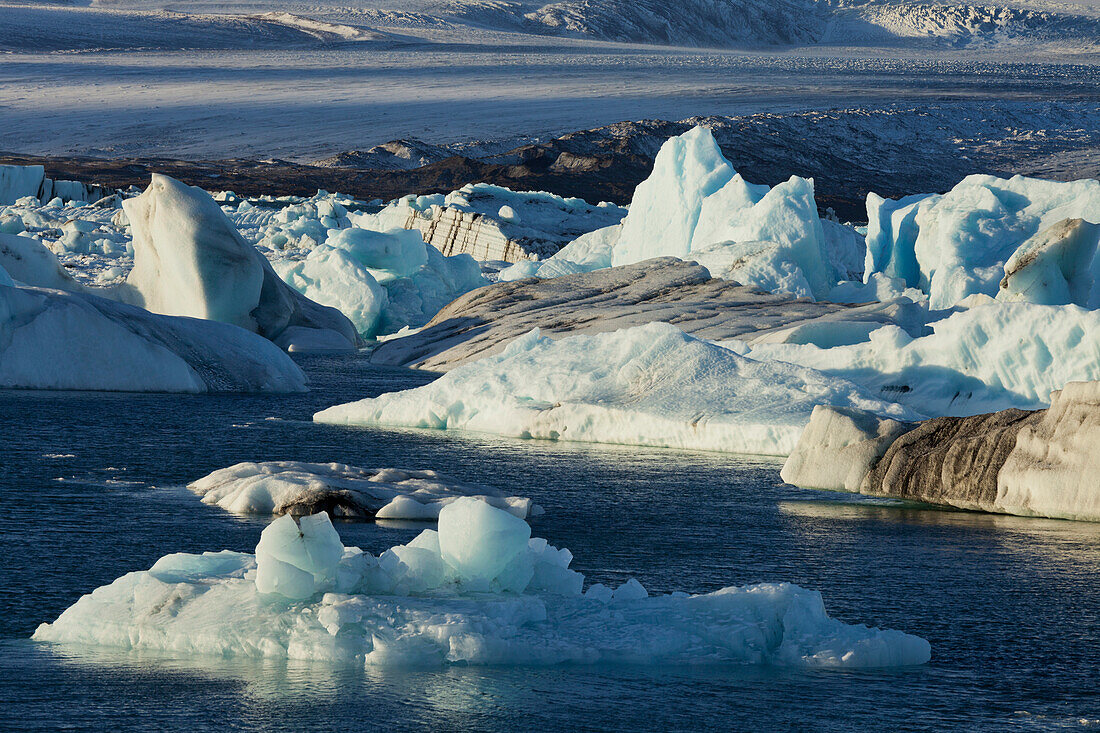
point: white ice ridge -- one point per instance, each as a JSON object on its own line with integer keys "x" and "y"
{"x": 967, "y": 240}
{"x": 481, "y": 590}
{"x": 296, "y": 488}
{"x": 494, "y": 223}
{"x": 648, "y": 385}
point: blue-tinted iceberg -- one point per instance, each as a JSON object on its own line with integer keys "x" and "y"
{"x": 960, "y": 243}
{"x": 987, "y": 357}
{"x": 383, "y": 281}
{"x": 695, "y": 206}
{"x": 481, "y": 590}
{"x": 648, "y": 385}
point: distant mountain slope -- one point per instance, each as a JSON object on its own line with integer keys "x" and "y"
{"x": 770, "y": 23}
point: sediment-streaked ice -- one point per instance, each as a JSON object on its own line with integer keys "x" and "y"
{"x": 480, "y": 590}
{"x": 297, "y": 488}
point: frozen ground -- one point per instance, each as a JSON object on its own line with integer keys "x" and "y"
{"x": 146, "y": 82}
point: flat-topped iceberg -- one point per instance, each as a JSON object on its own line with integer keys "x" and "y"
{"x": 296, "y": 488}
{"x": 648, "y": 385}
{"x": 480, "y": 590}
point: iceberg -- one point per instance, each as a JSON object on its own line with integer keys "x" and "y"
{"x": 695, "y": 206}
{"x": 664, "y": 289}
{"x": 492, "y": 222}
{"x": 51, "y": 339}
{"x": 18, "y": 181}
{"x": 296, "y": 488}
{"x": 189, "y": 260}
{"x": 383, "y": 281}
{"x": 961, "y": 243}
{"x": 983, "y": 356}
{"x": 31, "y": 263}
{"x": 479, "y": 591}
{"x": 1027, "y": 463}
{"x": 649, "y": 385}
{"x": 1057, "y": 266}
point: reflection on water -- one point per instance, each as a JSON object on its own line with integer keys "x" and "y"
{"x": 92, "y": 487}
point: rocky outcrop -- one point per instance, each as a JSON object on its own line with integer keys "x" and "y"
{"x": 663, "y": 289}
{"x": 1029, "y": 463}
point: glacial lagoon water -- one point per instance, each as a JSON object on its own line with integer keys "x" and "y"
{"x": 91, "y": 487}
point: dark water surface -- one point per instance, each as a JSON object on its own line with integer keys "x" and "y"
{"x": 91, "y": 488}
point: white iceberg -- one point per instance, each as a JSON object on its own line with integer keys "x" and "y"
{"x": 293, "y": 487}
{"x": 19, "y": 181}
{"x": 383, "y": 281}
{"x": 648, "y": 385}
{"x": 190, "y": 260}
{"x": 479, "y": 591}
{"x": 588, "y": 252}
{"x": 958, "y": 244}
{"x": 51, "y": 339}
{"x": 28, "y": 261}
{"x": 695, "y": 206}
{"x": 1057, "y": 266}
{"x": 989, "y": 356}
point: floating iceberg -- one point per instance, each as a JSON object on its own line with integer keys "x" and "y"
{"x": 961, "y": 243}
{"x": 695, "y": 206}
{"x": 56, "y": 340}
{"x": 494, "y": 223}
{"x": 480, "y": 590}
{"x": 28, "y": 261}
{"x": 664, "y": 289}
{"x": 291, "y": 487}
{"x": 648, "y": 385}
{"x": 383, "y": 281}
{"x": 1040, "y": 463}
{"x": 190, "y": 260}
{"x": 989, "y": 356}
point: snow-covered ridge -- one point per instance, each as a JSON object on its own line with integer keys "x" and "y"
{"x": 37, "y": 28}
{"x": 480, "y": 590}
{"x": 766, "y": 23}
